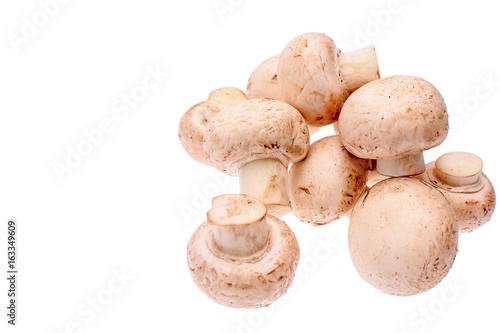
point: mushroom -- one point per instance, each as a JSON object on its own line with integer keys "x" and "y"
{"x": 241, "y": 257}
{"x": 193, "y": 122}
{"x": 459, "y": 176}
{"x": 403, "y": 236}
{"x": 257, "y": 139}
{"x": 393, "y": 120}
{"x": 327, "y": 183}
{"x": 316, "y": 78}
{"x": 263, "y": 83}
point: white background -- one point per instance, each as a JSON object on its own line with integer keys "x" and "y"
{"x": 119, "y": 210}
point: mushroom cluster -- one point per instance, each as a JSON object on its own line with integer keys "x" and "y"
{"x": 405, "y": 215}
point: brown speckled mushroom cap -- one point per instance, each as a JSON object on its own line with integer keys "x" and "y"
{"x": 251, "y": 281}
{"x": 309, "y": 76}
{"x": 191, "y": 129}
{"x": 459, "y": 176}
{"x": 255, "y": 129}
{"x": 403, "y": 236}
{"x": 392, "y": 117}
{"x": 327, "y": 183}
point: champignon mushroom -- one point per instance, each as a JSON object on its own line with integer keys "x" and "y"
{"x": 257, "y": 139}
{"x": 459, "y": 176}
{"x": 263, "y": 83}
{"x": 403, "y": 236}
{"x": 193, "y": 122}
{"x": 241, "y": 257}
{"x": 327, "y": 183}
{"x": 316, "y": 78}
{"x": 393, "y": 120}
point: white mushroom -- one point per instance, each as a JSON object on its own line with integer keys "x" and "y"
{"x": 257, "y": 139}
{"x": 459, "y": 176}
{"x": 193, "y": 122}
{"x": 241, "y": 257}
{"x": 263, "y": 83}
{"x": 316, "y": 77}
{"x": 393, "y": 120}
{"x": 327, "y": 183}
{"x": 403, "y": 236}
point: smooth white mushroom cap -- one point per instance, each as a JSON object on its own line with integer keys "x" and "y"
{"x": 309, "y": 76}
{"x": 327, "y": 183}
{"x": 403, "y": 236}
{"x": 191, "y": 130}
{"x": 255, "y": 129}
{"x": 393, "y": 117}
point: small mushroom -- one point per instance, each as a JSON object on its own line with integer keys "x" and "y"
{"x": 316, "y": 78}
{"x": 393, "y": 120}
{"x": 459, "y": 176}
{"x": 241, "y": 257}
{"x": 263, "y": 83}
{"x": 403, "y": 236}
{"x": 327, "y": 183}
{"x": 257, "y": 139}
{"x": 193, "y": 122}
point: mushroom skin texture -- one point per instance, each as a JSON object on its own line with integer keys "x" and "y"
{"x": 193, "y": 122}
{"x": 257, "y": 139}
{"x": 263, "y": 83}
{"x": 403, "y": 236}
{"x": 459, "y": 176}
{"x": 393, "y": 120}
{"x": 242, "y": 257}
{"x": 316, "y": 78}
{"x": 327, "y": 183}
{"x": 191, "y": 129}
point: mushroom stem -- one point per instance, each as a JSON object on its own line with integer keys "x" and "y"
{"x": 266, "y": 180}
{"x": 409, "y": 165}
{"x": 220, "y": 98}
{"x": 459, "y": 168}
{"x": 359, "y": 67}
{"x": 238, "y": 224}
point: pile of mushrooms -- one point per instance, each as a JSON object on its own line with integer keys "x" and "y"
{"x": 405, "y": 215}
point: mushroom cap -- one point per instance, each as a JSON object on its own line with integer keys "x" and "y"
{"x": 254, "y": 129}
{"x": 309, "y": 76}
{"x": 263, "y": 82}
{"x": 393, "y": 117}
{"x": 244, "y": 282}
{"x": 191, "y": 129}
{"x": 473, "y": 204}
{"x": 327, "y": 183}
{"x": 403, "y": 236}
